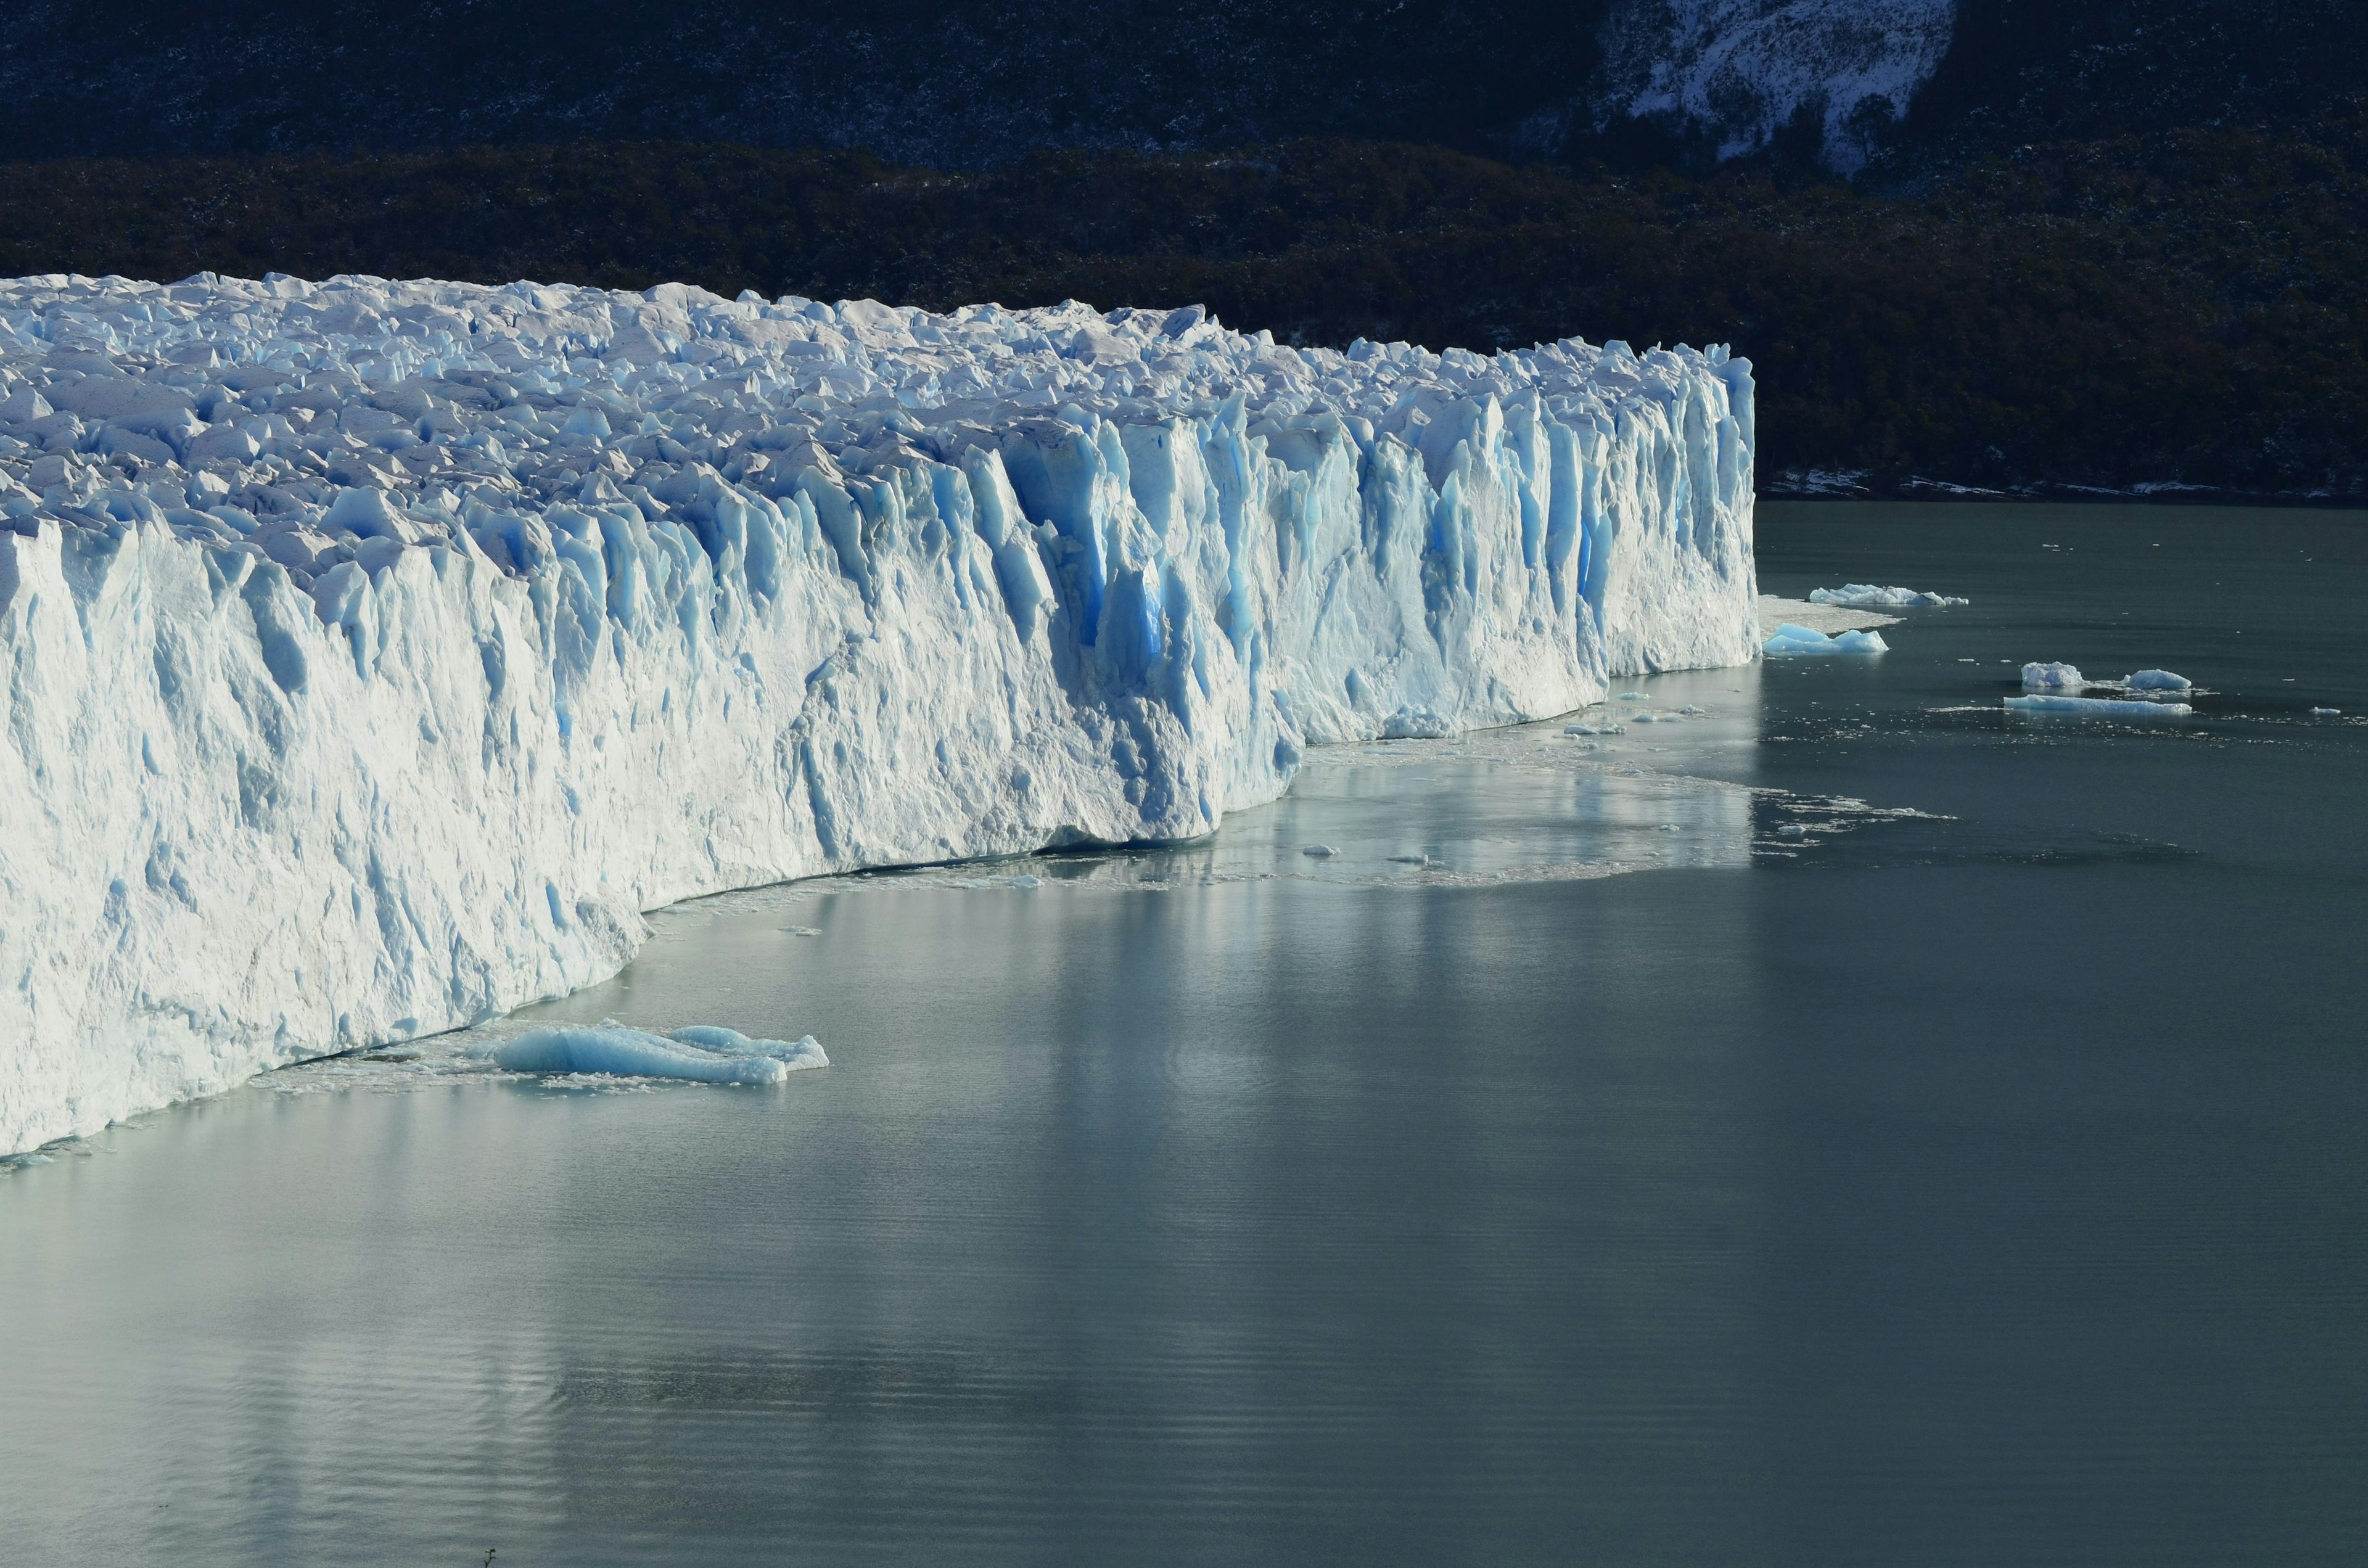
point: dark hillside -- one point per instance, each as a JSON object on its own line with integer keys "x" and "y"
{"x": 975, "y": 84}
{"x": 2187, "y": 310}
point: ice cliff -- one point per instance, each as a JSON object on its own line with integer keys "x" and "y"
{"x": 372, "y": 654}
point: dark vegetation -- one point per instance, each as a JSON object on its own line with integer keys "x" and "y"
{"x": 2187, "y": 308}
{"x": 971, "y": 83}
{"x": 950, "y": 83}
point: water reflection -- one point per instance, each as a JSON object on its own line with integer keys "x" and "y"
{"x": 1974, "y": 1175}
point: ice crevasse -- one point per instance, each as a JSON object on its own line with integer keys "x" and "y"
{"x": 377, "y": 653}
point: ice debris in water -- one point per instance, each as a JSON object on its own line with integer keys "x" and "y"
{"x": 2327, "y": 712}
{"x": 1800, "y": 641}
{"x": 701, "y": 1053}
{"x": 2097, "y": 707}
{"x": 1319, "y": 851}
{"x": 2158, "y": 680}
{"x": 2052, "y": 677}
{"x": 453, "y": 627}
{"x": 796, "y": 1054}
{"x": 1866, "y": 596}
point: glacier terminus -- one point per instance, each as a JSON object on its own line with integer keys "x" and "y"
{"x": 372, "y": 654}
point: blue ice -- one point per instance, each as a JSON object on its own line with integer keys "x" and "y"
{"x": 1797, "y": 641}
{"x": 701, "y": 1053}
{"x": 2098, "y": 707}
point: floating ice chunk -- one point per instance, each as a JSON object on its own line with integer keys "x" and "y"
{"x": 795, "y": 1054}
{"x": 2327, "y": 712}
{"x": 1586, "y": 729}
{"x": 2052, "y": 677}
{"x": 1799, "y": 641}
{"x": 2097, "y": 707}
{"x": 1791, "y": 830}
{"x": 1319, "y": 851}
{"x": 2158, "y": 680}
{"x": 1866, "y": 596}
{"x": 612, "y": 1049}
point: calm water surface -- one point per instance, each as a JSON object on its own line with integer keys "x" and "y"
{"x": 1977, "y": 1176}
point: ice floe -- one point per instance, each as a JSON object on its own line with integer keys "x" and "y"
{"x": 700, "y": 1053}
{"x": 1866, "y": 596}
{"x": 2097, "y": 707}
{"x": 1800, "y": 641}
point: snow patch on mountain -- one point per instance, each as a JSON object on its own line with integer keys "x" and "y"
{"x": 1741, "y": 70}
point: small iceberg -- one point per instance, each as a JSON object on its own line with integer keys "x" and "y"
{"x": 1319, "y": 851}
{"x": 1866, "y": 596}
{"x": 2158, "y": 680}
{"x": 2097, "y": 707}
{"x": 1793, "y": 642}
{"x": 797, "y": 1054}
{"x": 2052, "y": 677}
{"x": 701, "y": 1053}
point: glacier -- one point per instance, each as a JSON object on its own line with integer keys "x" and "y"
{"x": 376, "y": 652}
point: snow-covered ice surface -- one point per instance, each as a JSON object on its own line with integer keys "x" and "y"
{"x": 377, "y": 653}
{"x": 1790, "y": 642}
{"x": 1866, "y": 596}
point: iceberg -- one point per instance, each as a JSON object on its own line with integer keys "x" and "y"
{"x": 2158, "y": 680}
{"x": 372, "y": 653}
{"x": 798, "y": 1055}
{"x": 2052, "y": 677}
{"x": 2097, "y": 707}
{"x": 701, "y": 1053}
{"x": 1866, "y": 596}
{"x": 1798, "y": 641}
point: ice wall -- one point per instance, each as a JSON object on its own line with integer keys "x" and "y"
{"x": 372, "y": 654}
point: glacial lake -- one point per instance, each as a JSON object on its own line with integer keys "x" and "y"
{"x": 1574, "y": 1167}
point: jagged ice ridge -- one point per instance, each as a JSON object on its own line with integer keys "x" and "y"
{"x": 375, "y": 652}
